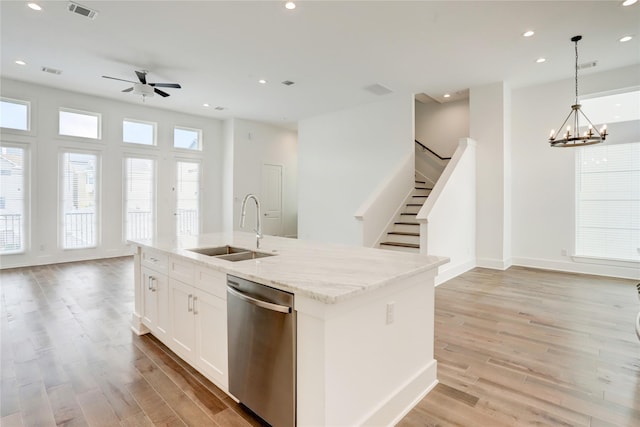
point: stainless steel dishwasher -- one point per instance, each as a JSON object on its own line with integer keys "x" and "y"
{"x": 261, "y": 326}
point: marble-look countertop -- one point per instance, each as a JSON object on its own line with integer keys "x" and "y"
{"x": 325, "y": 272}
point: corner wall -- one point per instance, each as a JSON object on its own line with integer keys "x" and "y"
{"x": 343, "y": 157}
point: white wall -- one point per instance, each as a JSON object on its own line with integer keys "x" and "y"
{"x": 343, "y": 157}
{"x": 440, "y": 126}
{"x": 448, "y": 217}
{"x": 44, "y": 145}
{"x": 255, "y": 144}
{"x": 544, "y": 178}
{"x": 490, "y": 116}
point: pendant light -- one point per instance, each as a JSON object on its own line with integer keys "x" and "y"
{"x": 568, "y": 139}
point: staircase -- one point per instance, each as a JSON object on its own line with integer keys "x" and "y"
{"x": 405, "y": 234}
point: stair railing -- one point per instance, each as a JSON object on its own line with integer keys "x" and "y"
{"x": 424, "y": 147}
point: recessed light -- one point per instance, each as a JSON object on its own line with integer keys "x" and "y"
{"x": 618, "y": 105}
{"x": 262, "y": 81}
{"x": 290, "y": 5}
{"x": 541, "y": 60}
{"x": 528, "y": 33}
{"x": 205, "y": 105}
{"x": 20, "y": 62}
{"x": 34, "y": 6}
{"x": 625, "y": 38}
{"x": 446, "y": 95}
{"x": 629, "y": 2}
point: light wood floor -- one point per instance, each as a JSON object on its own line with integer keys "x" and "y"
{"x": 521, "y": 347}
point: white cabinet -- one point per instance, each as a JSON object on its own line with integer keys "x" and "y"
{"x": 155, "y": 294}
{"x": 198, "y": 318}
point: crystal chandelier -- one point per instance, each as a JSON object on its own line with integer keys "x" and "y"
{"x": 590, "y": 136}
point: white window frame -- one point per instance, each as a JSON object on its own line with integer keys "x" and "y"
{"x": 154, "y": 203}
{"x": 138, "y": 144}
{"x": 175, "y": 195}
{"x": 26, "y": 198}
{"x": 589, "y": 258}
{"x": 81, "y": 112}
{"x": 189, "y": 150}
{"x": 28, "y": 130}
{"x": 98, "y": 200}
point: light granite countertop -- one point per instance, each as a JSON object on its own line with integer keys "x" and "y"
{"x": 325, "y": 272}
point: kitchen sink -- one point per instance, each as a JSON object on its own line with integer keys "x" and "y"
{"x": 231, "y": 253}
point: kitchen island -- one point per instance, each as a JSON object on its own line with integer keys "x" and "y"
{"x": 365, "y": 318}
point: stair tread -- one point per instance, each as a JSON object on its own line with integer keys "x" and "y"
{"x": 421, "y": 182}
{"x": 406, "y": 223}
{"x": 409, "y": 213}
{"x": 423, "y": 188}
{"x": 414, "y": 204}
{"x": 420, "y": 196}
{"x": 404, "y": 245}
{"x": 404, "y": 233}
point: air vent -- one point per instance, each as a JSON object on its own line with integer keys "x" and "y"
{"x": 378, "y": 89}
{"x": 51, "y": 70}
{"x": 288, "y": 83}
{"x": 219, "y": 108}
{"x": 82, "y": 10}
{"x": 586, "y": 65}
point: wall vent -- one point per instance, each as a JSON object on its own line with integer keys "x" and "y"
{"x": 586, "y": 65}
{"x": 378, "y": 89}
{"x": 82, "y": 10}
{"x": 51, "y": 70}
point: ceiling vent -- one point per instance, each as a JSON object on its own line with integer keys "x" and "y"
{"x": 51, "y": 70}
{"x": 82, "y": 10}
{"x": 288, "y": 83}
{"x": 219, "y": 108}
{"x": 586, "y": 65}
{"x": 378, "y": 89}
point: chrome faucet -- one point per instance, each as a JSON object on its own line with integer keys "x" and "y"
{"x": 258, "y": 228}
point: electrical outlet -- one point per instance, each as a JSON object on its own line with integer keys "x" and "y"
{"x": 390, "y": 312}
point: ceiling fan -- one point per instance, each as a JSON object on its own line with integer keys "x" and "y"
{"x": 144, "y": 88}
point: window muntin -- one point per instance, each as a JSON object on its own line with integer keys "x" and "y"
{"x": 138, "y": 132}
{"x": 186, "y": 138}
{"x": 13, "y": 199}
{"x": 139, "y": 198}
{"x": 608, "y": 201}
{"x": 187, "y": 198}
{"x": 79, "y": 123}
{"x": 15, "y": 114}
{"x": 79, "y": 200}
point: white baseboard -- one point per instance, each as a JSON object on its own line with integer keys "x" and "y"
{"x": 494, "y": 264}
{"x": 404, "y": 399}
{"x": 137, "y": 326}
{"x": 448, "y": 272}
{"x": 577, "y": 267}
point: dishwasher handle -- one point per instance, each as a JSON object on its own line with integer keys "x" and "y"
{"x": 259, "y": 303}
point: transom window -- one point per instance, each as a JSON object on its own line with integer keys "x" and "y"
{"x": 15, "y": 114}
{"x": 138, "y": 132}
{"x": 189, "y": 139}
{"x": 80, "y": 123}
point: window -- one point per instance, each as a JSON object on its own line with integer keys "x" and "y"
{"x": 139, "y": 198}
{"x": 187, "y": 198}
{"x": 608, "y": 201}
{"x": 14, "y": 114}
{"x": 187, "y": 138}
{"x": 79, "y": 123}
{"x": 79, "y": 200}
{"x": 137, "y": 132}
{"x": 13, "y": 198}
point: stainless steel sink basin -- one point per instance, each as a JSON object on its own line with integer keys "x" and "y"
{"x": 231, "y": 253}
{"x": 217, "y": 251}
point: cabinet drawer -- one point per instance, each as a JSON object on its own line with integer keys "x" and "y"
{"x": 155, "y": 260}
{"x": 182, "y": 270}
{"x": 212, "y": 281}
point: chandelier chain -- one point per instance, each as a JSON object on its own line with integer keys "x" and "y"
{"x": 576, "y": 45}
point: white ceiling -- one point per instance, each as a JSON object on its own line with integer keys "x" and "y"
{"x": 332, "y": 50}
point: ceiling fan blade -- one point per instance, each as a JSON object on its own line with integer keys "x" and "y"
{"x": 128, "y": 90}
{"x": 173, "y": 85}
{"x": 142, "y": 76}
{"x": 115, "y": 78}
{"x": 161, "y": 93}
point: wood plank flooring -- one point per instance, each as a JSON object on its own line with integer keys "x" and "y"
{"x": 521, "y": 347}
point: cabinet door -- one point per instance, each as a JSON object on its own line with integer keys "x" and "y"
{"x": 211, "y": 337}
{"x": 182, "y": 319}
{"x": 149, "y": 304}
{"x": 162, "y": 307}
